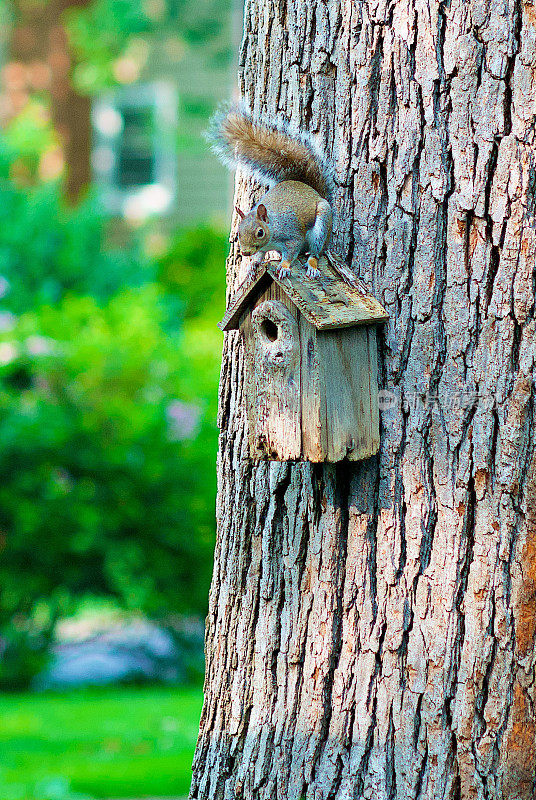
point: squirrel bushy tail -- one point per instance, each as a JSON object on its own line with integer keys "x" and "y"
{"x": 271, "y": 151}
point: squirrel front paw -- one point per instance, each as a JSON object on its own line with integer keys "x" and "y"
{"x": 283, "y": 270}
{"x": 312, "y": 267}
{"x": 254, "y": 267}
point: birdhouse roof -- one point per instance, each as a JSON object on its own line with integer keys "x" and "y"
{"x": 334, "y": 298}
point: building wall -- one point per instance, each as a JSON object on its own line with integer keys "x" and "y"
{"x": 37, "y": 59}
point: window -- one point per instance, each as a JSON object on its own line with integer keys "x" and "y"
{"x": 134, "y": 152}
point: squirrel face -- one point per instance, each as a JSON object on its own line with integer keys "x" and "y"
{"x": 253, "y": 231}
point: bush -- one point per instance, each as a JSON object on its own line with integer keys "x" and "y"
{"x": 192, "y": 270}
{"x": 106, "y": 455}
{"x": 109, "y": 364}
{"x": 48, "y": 250}
{"x": 24, "y": 643}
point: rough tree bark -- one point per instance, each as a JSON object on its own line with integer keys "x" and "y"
{"x": 372, "y": 626}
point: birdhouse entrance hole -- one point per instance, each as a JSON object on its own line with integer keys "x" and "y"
{"x": 269, "y": 329}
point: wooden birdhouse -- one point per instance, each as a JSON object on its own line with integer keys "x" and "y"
{"x": 311, "y": 380}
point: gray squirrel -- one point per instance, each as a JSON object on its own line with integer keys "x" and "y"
{"x": 295, "y": 216}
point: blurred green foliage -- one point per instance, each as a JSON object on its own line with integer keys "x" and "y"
{"x": 109, "y": 356}
{"x": 48, "y": 249}
{"x": 24, "y": 142}
{"x": 92, "y": 472}
{"x": 104, "y": 31}
{"x": 183, "y": 269}
{"x": 109, "y": 363}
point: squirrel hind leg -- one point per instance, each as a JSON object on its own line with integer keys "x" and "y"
{"x": 289, "y": 254}
{"x": 319, "y": 235}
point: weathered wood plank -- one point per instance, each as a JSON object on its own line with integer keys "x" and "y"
{"x": 273, "y": 383}
{"x": 314, "y": 424}
{"x": 345, "y": 359}
{"x": 327, "y": 300}
{"x": 374, "y": 416}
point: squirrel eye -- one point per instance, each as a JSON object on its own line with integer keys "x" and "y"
{"x": 259, "y": 233}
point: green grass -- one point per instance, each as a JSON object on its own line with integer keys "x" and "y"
{"x": 126, "y": 742}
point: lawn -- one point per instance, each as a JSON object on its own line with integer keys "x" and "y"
{"x": 126, "y": 742}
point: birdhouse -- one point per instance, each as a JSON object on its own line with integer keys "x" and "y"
{"x": 311, "y": 383}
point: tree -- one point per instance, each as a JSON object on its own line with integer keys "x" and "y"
{"x": 371, "y": 626}
{"x": 40, "y": 60}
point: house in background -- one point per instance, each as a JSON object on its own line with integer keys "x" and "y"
{"x": 140, "y": 143}
{"x": 134, "y": 149}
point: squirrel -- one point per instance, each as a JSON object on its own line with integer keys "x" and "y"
{"x": 295, "y": 216}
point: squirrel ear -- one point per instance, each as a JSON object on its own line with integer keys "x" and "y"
{"x": 261, "y": 213}
{"x": 239, "y": 212}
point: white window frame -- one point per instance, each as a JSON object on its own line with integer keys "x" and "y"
{"x": 160, "y": 195}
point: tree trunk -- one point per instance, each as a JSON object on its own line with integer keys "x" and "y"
{"x": 372, "y": 626}
{"x": 40, "y": 59}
